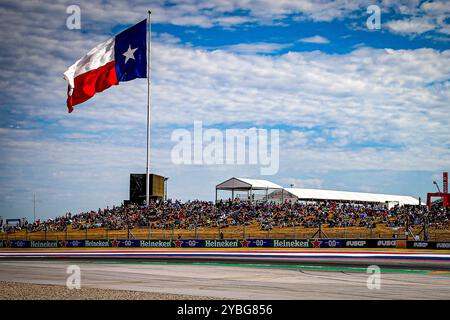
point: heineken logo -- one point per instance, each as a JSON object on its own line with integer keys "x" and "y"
{"x": 222, "y": 243}
{"x": 41, "y": 244}
{"x": 155, "y": 243}
{"x": 97, "y": 243}
{"x": 285, "y": 243}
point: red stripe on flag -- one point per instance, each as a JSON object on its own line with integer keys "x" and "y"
{"x": 91, "y": 82}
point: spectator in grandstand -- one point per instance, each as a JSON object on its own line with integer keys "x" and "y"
{"x": 191, "y": 215}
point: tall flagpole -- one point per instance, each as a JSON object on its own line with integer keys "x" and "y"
{"x": 149, "y": 48}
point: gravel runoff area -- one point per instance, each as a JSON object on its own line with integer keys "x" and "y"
{"x": 28, "y": 291}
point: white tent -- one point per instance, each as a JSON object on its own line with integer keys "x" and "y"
{"x": 318, "y": 194}
{"x": 245, "y": 184}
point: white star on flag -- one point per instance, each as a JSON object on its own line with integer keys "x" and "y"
{"x": 129, "y": 54}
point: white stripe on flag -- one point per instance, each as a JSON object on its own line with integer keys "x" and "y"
{"x": 96, "y": 58}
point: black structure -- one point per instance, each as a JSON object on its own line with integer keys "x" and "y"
{"x": 137, "y": 187}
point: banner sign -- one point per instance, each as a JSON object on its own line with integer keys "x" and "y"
{"x": 329, "y": 243}
{"x": 442, "y": 245}
{"x": 125, "y": 243}
{"x": 155, "y": 243}
{"x": 14, "y": 244}
{"x": 188, "y": 243}
{"x": 224, "y": 243}
{"x": 290, "y": 243}
{"x": 257, "y": 243}
{"x": 43, "y": 244}
{"x": 356, "y": 243}
{"x": 382, "y": 243}
{"x": 419, "y": 245}
{"x": 72, "y": 244}
{"x": 96, "y": 243}
{"x": 427, "y": 245}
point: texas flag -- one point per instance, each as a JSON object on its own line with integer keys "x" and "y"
{"x": 121, "y": 58}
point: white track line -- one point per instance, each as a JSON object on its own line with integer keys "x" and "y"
{"x": 215, "y": 253}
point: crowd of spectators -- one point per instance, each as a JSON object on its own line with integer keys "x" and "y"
{"x": 267, "y": 215}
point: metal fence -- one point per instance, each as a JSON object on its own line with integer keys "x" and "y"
{"x": 227, "y": 233}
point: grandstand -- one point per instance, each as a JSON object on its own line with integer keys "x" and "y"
{"x": 283, "y": 213}
{"x": 241, "y": 219}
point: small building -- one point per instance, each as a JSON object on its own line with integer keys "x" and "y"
{"x": 347, "y": 196}
{"x": 279, "y": 194}
{"x": 249, "y": 186}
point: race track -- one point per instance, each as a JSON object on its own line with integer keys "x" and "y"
{"x": 439, "y": 260}
{"x": 233, "y": 282}
{"x": 239, "y": 274}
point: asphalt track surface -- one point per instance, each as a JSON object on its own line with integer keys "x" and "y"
{"x": 431, "y": 259}
{"x": 239, "y": 274}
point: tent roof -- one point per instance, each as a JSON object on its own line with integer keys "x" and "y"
{"x": 319, "y": 194}
{"x": 247, "y": 184}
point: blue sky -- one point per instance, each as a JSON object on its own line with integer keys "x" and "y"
{"x": 357, "y": 109}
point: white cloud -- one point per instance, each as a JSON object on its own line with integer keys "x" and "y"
{"x": 315, "y": 39}
{"x": 408, "y": 26}
{"x": 167, "y": 38}
{"x": 211, "y": 13}
{"x": 254, "y": 48}
{"x": 419, "y": 17}
{"x": 436, "y": 7}
{"x": 446, "y": 30}
{"x": 404, "y": 7}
